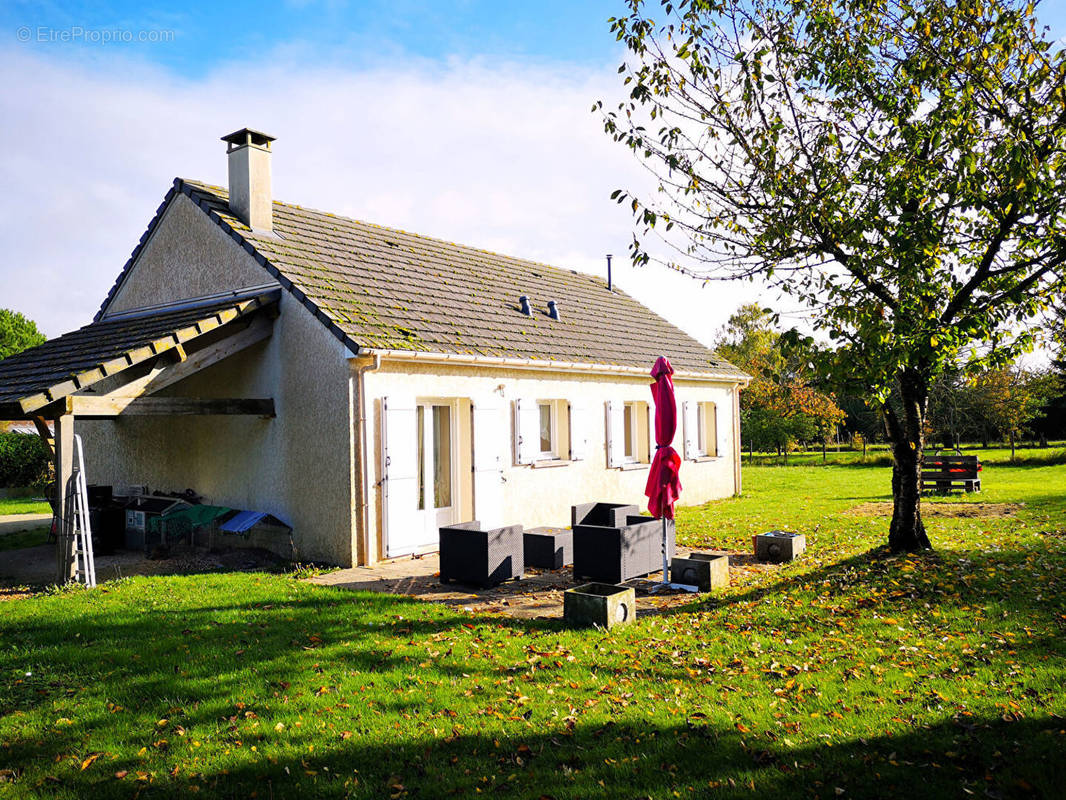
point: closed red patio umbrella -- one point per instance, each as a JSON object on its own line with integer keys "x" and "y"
{"x": 664, "y": 483}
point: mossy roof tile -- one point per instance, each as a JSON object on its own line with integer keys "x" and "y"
{"x": 376, "y": 282}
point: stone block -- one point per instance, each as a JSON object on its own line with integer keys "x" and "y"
{"x": 602, "y": 604}
{"x": 779, "y": 546}
{"x": 705, "y": 571}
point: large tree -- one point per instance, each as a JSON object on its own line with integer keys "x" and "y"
{"x": 17, "y": 333}
{"x": 896, "y": 165}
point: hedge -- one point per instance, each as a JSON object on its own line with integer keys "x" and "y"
{"x": 24, "y": 461}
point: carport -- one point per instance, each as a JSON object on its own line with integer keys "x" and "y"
{"x": 121, "y": 366}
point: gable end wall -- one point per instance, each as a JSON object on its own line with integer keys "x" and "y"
{"x": 297, "y": 466}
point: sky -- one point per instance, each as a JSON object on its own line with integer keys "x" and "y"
{"x": 468, "y": 120}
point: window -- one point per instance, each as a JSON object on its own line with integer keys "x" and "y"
{"x": 635, "y": 443}
{"x": 548, "y": 437}
{"x": 707, "y": 430}
{"x": 629, "y": 422}
{"x": 541, "y": 431}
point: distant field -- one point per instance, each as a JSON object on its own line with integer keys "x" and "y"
{"x": 1054, "y": 453}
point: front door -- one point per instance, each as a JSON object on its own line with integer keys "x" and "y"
{"x": 435, "y": 438}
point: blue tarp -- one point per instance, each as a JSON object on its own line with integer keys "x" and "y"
{"x": 242, "y": 521}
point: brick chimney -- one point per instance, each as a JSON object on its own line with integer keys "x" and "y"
{"x": 249, "y": 178}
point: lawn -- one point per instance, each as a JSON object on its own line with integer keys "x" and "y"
{"x": 23, "y": 505}
{"x": 847, "y": 674}
{"x": 25, "y": 537}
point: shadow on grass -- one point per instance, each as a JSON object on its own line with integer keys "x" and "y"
{"x": 627, "y": 758}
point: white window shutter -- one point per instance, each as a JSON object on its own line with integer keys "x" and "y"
{"x": 720, "y": 433}
{"x": 490, "y": 439}
{"x": 402, "y": 524}
{"x": 579, "y": 432}
{"x": 527, "y": 431}
{"x": 649, "y": 424}
{"x": 615, "y": 434}
{"x": 690, "y": 428}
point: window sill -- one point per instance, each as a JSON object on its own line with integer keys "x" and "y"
{"x": 634, "y": 465}
{"x": 552, "y": 462}
{"x": 701, "y": 459}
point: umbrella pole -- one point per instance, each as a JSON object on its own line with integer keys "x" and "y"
{"x": 666, "y": 565}
{"x": 666, "y": 584}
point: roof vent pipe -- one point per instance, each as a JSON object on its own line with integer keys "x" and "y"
{"x": 524, "y": 307}
{"x": 553, "y": 310}
{"x": 609, "y": 289}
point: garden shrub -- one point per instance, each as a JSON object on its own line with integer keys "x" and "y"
{"x": 24, "y": 461}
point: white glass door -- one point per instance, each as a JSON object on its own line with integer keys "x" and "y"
{"x": 435, "y": 438}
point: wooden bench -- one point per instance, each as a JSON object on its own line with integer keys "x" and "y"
{"x": 942, "y": 473}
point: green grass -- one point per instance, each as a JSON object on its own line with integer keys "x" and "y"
{"x": 849, "y": 673}
{"x": 23, "y": 505}
{"x": 26, "y": 537}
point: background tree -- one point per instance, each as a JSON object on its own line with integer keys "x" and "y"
{"x": 896, "y": 165}
{"x": 1052, "y": 422}
{"x": 17, "y": 333}
{"x": 780, "y": 406}
{"x": 1008, "y": 399}
{"x": 954, "y": 414}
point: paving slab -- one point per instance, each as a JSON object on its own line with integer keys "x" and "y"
{"x": 538, "y": 595}
{"x": 16, "y": 523}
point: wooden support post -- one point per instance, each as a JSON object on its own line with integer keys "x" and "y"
{"x": 64, "y": 443}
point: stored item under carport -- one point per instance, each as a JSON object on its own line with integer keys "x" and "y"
{"x": 248, "y": 529}
{"x": 140, "y": 511}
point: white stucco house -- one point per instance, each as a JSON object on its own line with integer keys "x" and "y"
{"x": 364, "y": 384}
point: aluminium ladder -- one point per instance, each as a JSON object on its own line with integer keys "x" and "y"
{"x": 76, "y": 519}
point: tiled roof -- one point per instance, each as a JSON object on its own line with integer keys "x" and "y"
{"x": 34, "y": 378}
{"x": 385, "y": 289}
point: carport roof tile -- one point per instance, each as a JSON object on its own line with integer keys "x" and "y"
{"x": 74, "y": 361}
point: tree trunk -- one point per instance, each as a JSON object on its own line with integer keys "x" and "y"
{"x": 1012, "y": 444}
{"x": 863, "y": 448}
{"x": 823, "y": 451}
{"x": 907, "y": 435}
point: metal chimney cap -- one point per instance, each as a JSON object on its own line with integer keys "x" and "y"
{"x": 249, "y": 136}
{"x": 553, "y": 310}
{"x": 524, "y": 307}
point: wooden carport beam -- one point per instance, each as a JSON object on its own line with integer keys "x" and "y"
{"x": 169, "y": 371}
{"x": 109, "y": 407}
{"x": 42, "y": 430}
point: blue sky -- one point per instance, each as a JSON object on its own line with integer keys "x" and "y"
{"x": 208, "y": 35}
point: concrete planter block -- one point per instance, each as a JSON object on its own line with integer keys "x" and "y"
{"x": 549, "y": 548}
{"x": 485, "y": 558}
{"x": 705, "y": 571}
{"x": 779, "y": 546}
{"x": 602, "y": 604}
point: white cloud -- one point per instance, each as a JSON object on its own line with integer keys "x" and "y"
{"x": 502, "y": 156}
